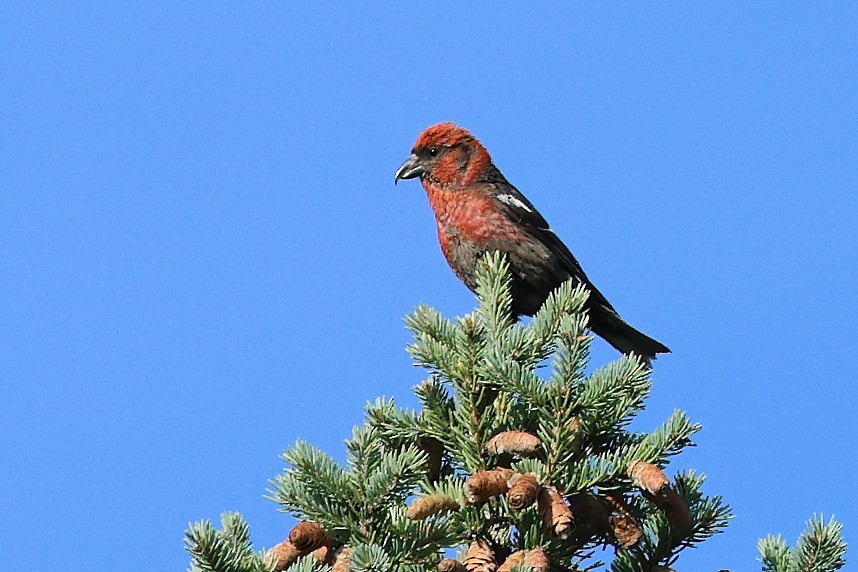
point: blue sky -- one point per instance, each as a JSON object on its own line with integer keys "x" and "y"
{"x": 203, "y": 257}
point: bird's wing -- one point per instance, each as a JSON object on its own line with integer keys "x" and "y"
{"x": 516, "y": 207}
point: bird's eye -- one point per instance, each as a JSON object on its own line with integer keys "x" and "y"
{"x": 433, "y": 151}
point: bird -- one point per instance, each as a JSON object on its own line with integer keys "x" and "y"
{"x": 478, "y": 211}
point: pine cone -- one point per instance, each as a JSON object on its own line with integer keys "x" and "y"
{"x": 282, "y": 556}
{"x": 514, "y": 559}
{"x": 451, "y": 565}
{"x": 656, "y": 488}
{"x": 341, "y": 564}
{"x": 556, "y": 515}
{"x": 483, "y": 485}
{"x": 480, "y": 558}
{"x": 624, "y": 526}
{"x": 325, "y": 555}
{"x": 537, "y": 559}
{"x": 648, "y": 477}
{"x": 523, "y": 490}
{"x": 307, "y": 536}
{"x": 426, "y": 506}
{"x": 675, "y": 509}
{"x": 518, "y": 442}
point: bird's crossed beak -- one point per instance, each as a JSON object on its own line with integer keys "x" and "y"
{"x": 409, "y": 169}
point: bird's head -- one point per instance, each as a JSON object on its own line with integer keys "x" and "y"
{"x": 445, "y": 154}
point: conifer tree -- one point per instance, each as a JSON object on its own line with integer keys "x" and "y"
{"x": 518, "y": 459}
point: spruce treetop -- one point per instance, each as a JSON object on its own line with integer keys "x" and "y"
{"x": 517, "y": 459}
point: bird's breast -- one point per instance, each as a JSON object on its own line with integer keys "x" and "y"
{"x": 469, "y": 225}
{"x": 469, "y": 215}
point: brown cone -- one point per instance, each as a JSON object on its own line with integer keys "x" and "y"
{"x": 514, "y": 559}
{"x": 656, "y": 488}
{"x": 341, "y": 564}
{"x": 483, "y": 485}
{"x": 648, "y": 477}
{"x": 426, "y": 506}
{"x": 308, "y": 536}
{"x": 624, "y": 526}
{"x": 325, "y": 555}
{"x": 518, "y": 442}
{"x": 523, "y": 490}
{"x": 451, "y": 565}
{"x": 556, "y": 515}
{"x": 674, "y": 508}
{"x": 282, "y": 556}
{"x": 480, "y": 558}
{"x": 536, "y": 559}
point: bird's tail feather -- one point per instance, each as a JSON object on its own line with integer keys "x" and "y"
{"x": 620, "y": 334}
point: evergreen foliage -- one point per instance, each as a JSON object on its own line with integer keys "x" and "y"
{"x": 819, "y": 548}
{"x": 517, "y": 454}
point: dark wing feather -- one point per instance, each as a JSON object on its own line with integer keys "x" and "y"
{"x": 515, "y": 205}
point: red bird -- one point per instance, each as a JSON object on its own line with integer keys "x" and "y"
{"x": 478, "y": 210}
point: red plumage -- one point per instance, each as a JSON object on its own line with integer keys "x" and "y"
{"x": 477, "y": 210}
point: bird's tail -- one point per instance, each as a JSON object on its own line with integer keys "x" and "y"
{"x": 608, "y": 325}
